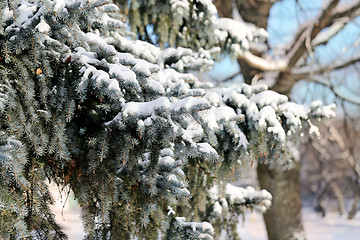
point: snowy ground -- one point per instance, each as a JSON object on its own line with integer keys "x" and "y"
{"x": 333, "y": 227}
{"x": 68, "y": 216}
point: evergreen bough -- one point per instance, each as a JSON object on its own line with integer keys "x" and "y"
{"x": 145, "y": 146}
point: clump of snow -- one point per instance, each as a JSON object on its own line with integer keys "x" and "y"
{"x": 148, "y": 121}
{"x": 145, "y": 108}
{"x": 269, "y": 120}
{"x": 24, "y": 15}
{"x": 216, "y": 116}
{"x": 217, "y": 209}
{"x": 166, "y": 152}
{"x": 239, "y": 100}
{"x": 206, "y": 148}
{"x": 189, "y": 103}
{"x": 238, "y": 30}
{"x": 293, "y": 113}
{"x": 320, "y": 111}
{"x": 171, "y": 211}
{"x": 241, "y": 31}
{"x": 242, "y": 195}
{"x": 43, "y": 27}
{"x": 123, "y": 73}
{"x": 314, "y": 131}
{"x": 6, "y": 14}
{"x": 268, "y": 98}
{"x": 253, "y": 112}
{"x": 167, "y": 160}
{"x": 213, "y": 98}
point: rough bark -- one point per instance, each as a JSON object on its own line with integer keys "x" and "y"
{"x": 284, "y": 83}
{"x": 255, "y": 11}
{"x": 354, "y": 206}
{"x": 283, "y": 220}
{"x": 252, "y": 11}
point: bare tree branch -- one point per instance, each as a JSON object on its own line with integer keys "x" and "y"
{"x": 231, "y": 77}
{"x": 339, "y": 94}
{"x": 334, "y": 17}
{"x": 346, "y": 10}
{"x": 324, "y": 36}
{"x": 308, "y": 32}
{"x": 342, "y": 145}
{"x": 341, "y": 16}
{"x": 306, "y": 72}
{"x": 263, "y": 64}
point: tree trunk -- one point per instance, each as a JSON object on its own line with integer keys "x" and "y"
{"x": 354, "y": 206}
{"x": 283, "y": 220}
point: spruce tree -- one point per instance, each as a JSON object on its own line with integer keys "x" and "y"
{"x": 116, "y": 117}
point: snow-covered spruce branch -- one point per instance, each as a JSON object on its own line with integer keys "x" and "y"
{"x": 89, "y": 82}
{"x": 247, "y": 123}
{"x": 233, "y": 195}
{"x": 195, "y": 230}
{"x": 180, "y": 59}
{"x": 263, "y": 111}
{"x": 130, "y": 136}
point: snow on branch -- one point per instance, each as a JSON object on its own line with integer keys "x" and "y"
{"x": 180, "y": 59}
{"x": 308, "y": 31}
{"x": 332, "y": 18}
{"x": 348, "y": 9}
{"x": 326, "y": 34}
{"x": 262, "y": 63}
{"x": 125, "y": 127}
{"x": 341, "y": 16}
{"x": 271, "y": 120}
{"x": 195, "y": 230}
{"x": 233, "y": 195}
{"x": 145, "y": 109}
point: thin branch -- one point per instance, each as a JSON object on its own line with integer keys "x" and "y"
{"x": 324, "y": 36}
{"x": 342, "y": 15}
{"x": 263, "y": 64}
{"x": 334, "y": 17}
{"x": 308, "y": 32}
{"x": 337, "y": 137}
{"x": 346, "y": 9}
{"x": 231, "y": 77}
{"x": 305, "y": 72}
{"x": 337, "y": 92}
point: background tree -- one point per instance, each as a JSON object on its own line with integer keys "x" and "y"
{"x": 304, "y": 57}
{"x": 330, "y": 170}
